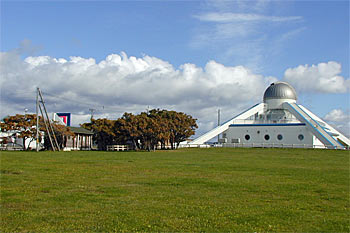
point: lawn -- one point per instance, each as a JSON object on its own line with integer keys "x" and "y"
{"x": 187, "y": 190}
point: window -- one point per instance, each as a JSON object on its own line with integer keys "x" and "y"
{"x": 267, "y": 137}
{"x": 279, "y": 137}
{"x": 235, "y": 140}
{"x": 247, "y": 137}
{"x": 301, "y": 137}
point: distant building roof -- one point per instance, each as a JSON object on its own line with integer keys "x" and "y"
{"x": 80, "y": 130}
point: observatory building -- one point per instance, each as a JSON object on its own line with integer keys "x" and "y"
{"x": 277, "y": 122}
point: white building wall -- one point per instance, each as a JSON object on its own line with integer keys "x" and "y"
{"x": 277, "y": 103}
{"x": 30, "y": 142}
{"x": 318, "y": 143}
{"x": 269, "y": 134}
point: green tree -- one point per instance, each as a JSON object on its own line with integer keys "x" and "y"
{"x": 181, "y": 125}
{"x": 126, "y": 129}
{"x": 161, "y": 126}
{"x": 104, "y": 132}
{"x": 145, "y": 130}
{"x": 148, "y": 129}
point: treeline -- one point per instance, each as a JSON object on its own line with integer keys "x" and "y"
{"x": 144, "y": 131}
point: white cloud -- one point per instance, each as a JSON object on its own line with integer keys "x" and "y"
{"x": 239, "y": 17}
{"x": 120, "y": 84}
{"x": 323, "y": 78}
{"x": 240, "y": 5}
{"x": 337, "y": 115}
{"x": 340, "y": 120}
{"x": 244, "y": 32}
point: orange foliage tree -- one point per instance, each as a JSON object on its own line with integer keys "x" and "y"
{"x": 145, "y": 131}
{"x": 21, "y": 126}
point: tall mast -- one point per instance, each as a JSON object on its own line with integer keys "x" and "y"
{"x": 37, "y": 119}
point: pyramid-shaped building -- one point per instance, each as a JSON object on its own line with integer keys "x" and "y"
{"x": 277, "y": 122}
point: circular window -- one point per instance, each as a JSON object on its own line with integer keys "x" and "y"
{"x": 247, "y": 137}
{"x": 279, "y": 137}
{"x": 258, "y": 132}
{"x": 301, "y": 137}
{"x": 267, "y": 137}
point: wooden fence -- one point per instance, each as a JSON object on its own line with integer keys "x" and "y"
{"x": 117, "y": 147}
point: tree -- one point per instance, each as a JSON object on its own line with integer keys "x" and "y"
{"x": 161, "y": 126}
{"x": 146, "y": 130}
{"x": 104, "y": 132}
{"x": 21, "y": 126}
{"x": 182, "y": 126}
{"x": 126, "y": 129}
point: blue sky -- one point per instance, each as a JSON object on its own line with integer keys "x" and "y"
{"x": 265, "y": 37}
{"x": 167, "y": 30}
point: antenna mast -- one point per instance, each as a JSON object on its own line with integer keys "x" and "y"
{"x": 218, "y": 123}
{"x": 92, "y": 110}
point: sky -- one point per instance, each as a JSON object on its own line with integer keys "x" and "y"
{"x": 190, "y": 56}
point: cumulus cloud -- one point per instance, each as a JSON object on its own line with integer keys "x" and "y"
{"x": 121, "y": 83}
{"x": 337, "y": 115}
{"x": 339, "y": 119}
{"x": 322, "y": 78}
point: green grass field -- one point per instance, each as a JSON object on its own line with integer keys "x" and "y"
{"x": 191, "y": 190}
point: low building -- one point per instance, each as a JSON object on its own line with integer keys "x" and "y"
{"x": 11, "y": 141}
{"x": 82, "y": 139}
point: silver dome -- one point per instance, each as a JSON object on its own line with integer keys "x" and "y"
{"x": 280, "y": 90}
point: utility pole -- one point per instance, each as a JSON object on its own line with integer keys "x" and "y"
{"x": 218, "y": 123}
{"x": 47, "y": 128}
{"x": 48, "y": 119}
{"x": 48, "y": 125}
{"x": 37, "y": 119}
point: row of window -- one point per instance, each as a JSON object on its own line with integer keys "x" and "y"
{"x": 279, "y": 137}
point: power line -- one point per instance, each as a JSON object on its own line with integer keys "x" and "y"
{"x": 61, "y": 100}
{"x": 96, "y": 107}
{"x": 68, "y": 100}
